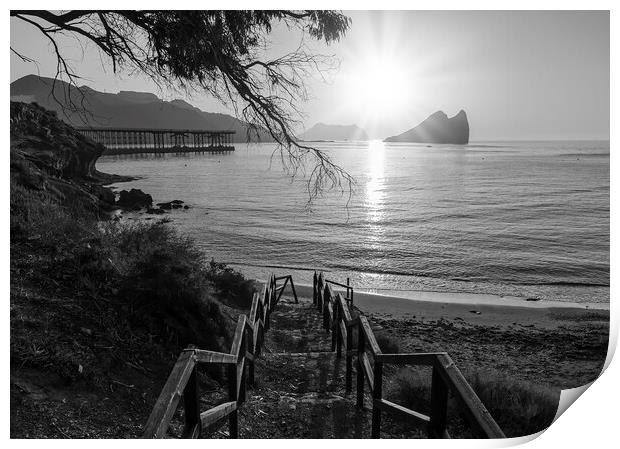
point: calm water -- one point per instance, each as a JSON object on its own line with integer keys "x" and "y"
{"x": 523, "y": 219}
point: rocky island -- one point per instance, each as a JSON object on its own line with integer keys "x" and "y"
{"x": 438, "y": 128}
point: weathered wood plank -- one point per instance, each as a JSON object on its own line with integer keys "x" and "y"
{"x": 329, "y": 291}
{"x": 213, "y": 415}
{"x": 345, "y": 309}
{"x": 477, "y": 414}
{"x": 294, "y": 292}
{"x": 249, "y": 325}
{"x": 254, "y": 308}
{"x": 240, "y": 378}
{"x": 233, "y": 418}
{"x": 367, "y": 371}
{"x": 258, "y": 327}
{"x": 377, "y": 392}
{"x": 415, "y": 358}
{"x": 344, "y": 333}
{"x": 191, "y": 405}
{"x": 349, "y": 352}
{"x": 237, "y": 340}
{"x": 402, "y": 412}
{"x": 439, "y": 405}
{"x": 159, "y": 420}
{"x": 370, "y": 336}
{"x": 361, "y": 343}
{"x": 203, "y": 356}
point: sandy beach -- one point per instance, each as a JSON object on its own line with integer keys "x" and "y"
{"x": 555, "y": 345}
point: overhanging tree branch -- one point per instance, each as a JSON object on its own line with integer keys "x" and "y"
{"x": 218, "y": 52}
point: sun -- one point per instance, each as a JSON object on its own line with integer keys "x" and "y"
{"x": 378, "y": 87}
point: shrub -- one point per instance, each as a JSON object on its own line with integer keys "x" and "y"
{"x": 519, "y": 408}
{"x": 387, "y": 344}
{"x": 233, "y": 287}
{"x": 152, "y": 277}
{"x": 166, "y": 282}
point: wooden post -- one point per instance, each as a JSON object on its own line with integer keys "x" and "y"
{"x": 326, "y": 302}
{"x": 348, "y": 287}
{"x": 349, "y": 362}
{"x": 314, "y": 286}
{"x": 319, "y": 295}
{"x": 376, "y": 395}
{"x": 335, "y": 328}
{"x": 294, "y": 292}
{"x": 267, "y": 299}
{"x": 439, "y": 406}
{"x": 251, "y": 351}
{"x": 360, "y": 369}
{"x": 241, "y": 363}
{"x": 191, "y": 405}
{"x": 233, "y": 423}
{"x": 339, "y": 318}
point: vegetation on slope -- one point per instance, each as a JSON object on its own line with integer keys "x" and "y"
{"x": 99, "y": 309}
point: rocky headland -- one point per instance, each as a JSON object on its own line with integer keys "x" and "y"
{"x": 438, "y": 128}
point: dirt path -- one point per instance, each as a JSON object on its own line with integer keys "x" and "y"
{"x": 300, "y": 389}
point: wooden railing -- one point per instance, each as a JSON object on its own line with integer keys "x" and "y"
{"x": 280, "y": 289}
{"x": 347, "y": 287}
{"x": 183, "y": 380}
{"x": 446, "y": 377}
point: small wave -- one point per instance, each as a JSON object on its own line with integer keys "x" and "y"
{"x": 567, "y": 284}
{"x": 283, "y": 267}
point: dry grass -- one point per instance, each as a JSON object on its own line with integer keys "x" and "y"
{"x": 520, "y": 408}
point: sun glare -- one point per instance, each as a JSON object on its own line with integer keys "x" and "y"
{"x": 379, "y": 87}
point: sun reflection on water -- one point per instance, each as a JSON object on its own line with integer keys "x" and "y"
{"x": 375, "y": 191}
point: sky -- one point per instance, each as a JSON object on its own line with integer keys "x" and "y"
{"x": 519, "y": 75}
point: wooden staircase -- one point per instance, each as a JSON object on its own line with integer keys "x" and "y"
{"x": 296, "y": 381}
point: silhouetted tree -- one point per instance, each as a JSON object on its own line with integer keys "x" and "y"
{"x": 218, "y": 52}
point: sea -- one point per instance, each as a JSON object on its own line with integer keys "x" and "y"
{"x": 511, "y": 219}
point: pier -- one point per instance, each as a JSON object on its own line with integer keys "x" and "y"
{"x": 132, "y": 141}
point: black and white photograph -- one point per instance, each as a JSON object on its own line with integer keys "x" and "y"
{"x": 306, "y": 223}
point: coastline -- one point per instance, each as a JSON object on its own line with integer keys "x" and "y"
{"x": 556, "y": 347}
{"x": 471, "y": 308}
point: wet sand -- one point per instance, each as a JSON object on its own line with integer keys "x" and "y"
{"x": 553, "y": 344}
{"x": 473, "y": 308}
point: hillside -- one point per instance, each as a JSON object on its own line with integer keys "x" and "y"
{"x": 98, "y": 308}
{"x": 321, "y": 131}
{"x": 125, "y": 109}
{"x": 438, "y": 128}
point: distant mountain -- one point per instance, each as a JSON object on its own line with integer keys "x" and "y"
{"x": 125, "y": 109}
{"x": 438, "y": 128}
{"x": 321, "y": 131}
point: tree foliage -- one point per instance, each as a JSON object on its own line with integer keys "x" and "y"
{"x": 220, "y": 52}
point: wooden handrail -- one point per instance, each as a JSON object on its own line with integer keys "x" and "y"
{"x": 170, "y": 395}
{"x": 183, "y": 380}
{"x": 473, "y": 407}
{"x": 445, "y": 376}
{"x": 369, "y": 335}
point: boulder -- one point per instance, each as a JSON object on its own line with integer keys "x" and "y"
{"x": 155, "y": 210}
{"x": 174, "y": 204}
{"x": 134, "y": 199}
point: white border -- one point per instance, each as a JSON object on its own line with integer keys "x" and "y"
{"x": 589, "y": 422}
